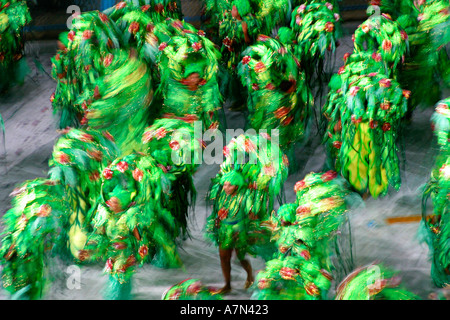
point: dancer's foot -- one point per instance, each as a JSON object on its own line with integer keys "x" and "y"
{"x": 224, "y": 290}
{"x": 248, "y": 284}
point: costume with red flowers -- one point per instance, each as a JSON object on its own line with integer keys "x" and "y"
{"x": 235, "y": 221}
{"x": 306, "y": 233}
{"x": 364, "y": 109}
{"x": 434, "y": 226}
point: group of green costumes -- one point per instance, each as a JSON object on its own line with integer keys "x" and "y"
{"x": 132, "y": 81}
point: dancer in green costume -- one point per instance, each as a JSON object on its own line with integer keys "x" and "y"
{"x": 278, "y": 94}
{"x": 434, "y": 226}
{"x": 316, "y": 27}
{"x": 305, "y": 233}
{"x": 365, "y": 106}
{"x": 244, "y": 195}
{"x": 14, "y": 15}
{"x": 426, "y": 24}
{"x": 189, "y": 67}
{"x": 234, "y": 26}
{"x": 124, "y": 197}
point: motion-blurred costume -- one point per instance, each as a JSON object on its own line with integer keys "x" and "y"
{"x": 188, "y": 64}
{"x": 191, "y": 289}
{"x": 120, "y": 181}
{"x": 365, "y": 106}
{"x": 426, "y": 24}
{"x": 244, "y": 194}
{"x": 278, "y": 96}
{"x": 316, "y": 27}
{"x": 233, "y": 26}
{"x": 373, "y": 282}
{"x": 434, "y": 226}
{"x": 305, "y": 232}
{"x": 14, "y": 15}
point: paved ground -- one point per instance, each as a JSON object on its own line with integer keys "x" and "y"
{"x": 30, "y": 135}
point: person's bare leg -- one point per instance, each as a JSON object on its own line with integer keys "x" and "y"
{"x": 248, "y": 268}
{"x": 225, "y": 263}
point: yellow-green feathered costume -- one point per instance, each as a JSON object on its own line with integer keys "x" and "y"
{"x": 14, "y": 15}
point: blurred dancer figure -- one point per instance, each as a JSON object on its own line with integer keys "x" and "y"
{"x": 14, "y": 15}
{"x": 244, "y": 195}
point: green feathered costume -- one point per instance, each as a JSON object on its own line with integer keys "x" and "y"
{"x": 32, "y": 224}
{"x": 235, "y": 221}
{"x": 121, "y": 101}
{"x": 434, "y": 226}
{"x": 54, "y": 214}
{"x": 156, "y": 10}
{"x": 125, "y": 187}
{"x": 426, "y": 25}
{"x": 14, "y": 15}
{"x": 364, "y": 109}
{"x": 260, "y": 17}
{"x": 233, "y": 26}
{"x": 190, "y": 289}
{"x": 385, "y": 39}
{"x": 188, "y": 67}
{"x": 278, "y": 95}
{"x": 86, "y": 51}
{"x": 304, "y": 232}
{"x": 78, "y": 159}
{"x": 317, "y": 28}
{"x": 132, "y": 222}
